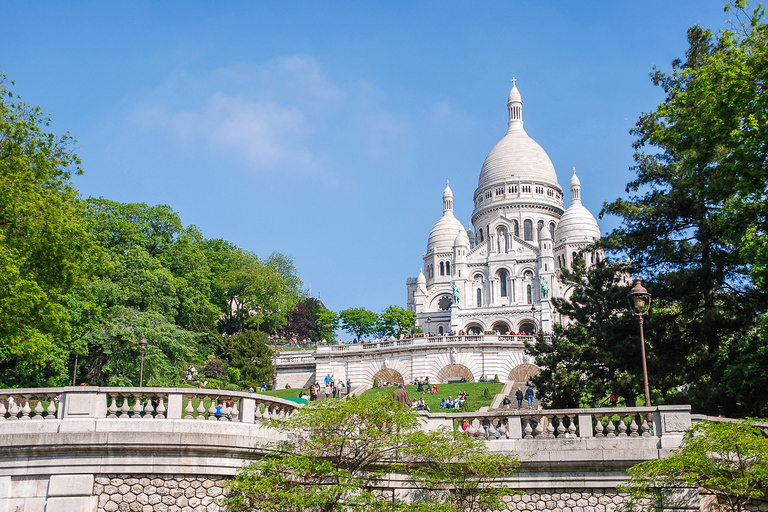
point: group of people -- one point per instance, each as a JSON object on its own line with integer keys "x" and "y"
{"x": 423, "y": 386}
{"x": 333, "y": 387}
{"x": 451, "y": 403}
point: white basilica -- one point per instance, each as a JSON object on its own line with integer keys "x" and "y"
{"x": 501, "y": 276}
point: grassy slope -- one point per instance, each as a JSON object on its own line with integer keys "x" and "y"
{"x": 474, "y": 390}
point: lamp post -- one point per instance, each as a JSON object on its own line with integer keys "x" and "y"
{"x": 640, "y": 303}
{"x": 533, "y": 316}
{"x": 142, "y": 348}
{"x": 429, "y": 321}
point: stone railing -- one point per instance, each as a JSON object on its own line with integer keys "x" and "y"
{"x": 140, "y": 403}
{"x": 424, "y": 341}
{"x": 668, "y": 422}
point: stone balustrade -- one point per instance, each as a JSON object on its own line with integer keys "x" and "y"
{"x": 140, "y": 403}
{"x": 474, "y": 339}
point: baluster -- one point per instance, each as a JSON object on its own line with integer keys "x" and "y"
{"x": 51, "y": 409}
{"x": 189, "y": 409}
{"x": 561, "y": 425}
{"x": 160, "y": 408}
{"x": 492, "y": 428}
{"x": 611, "y": 427}
{"x": 622, "y": 426}
{"x": 25, "y": 409}
{"x": 13, "y": 410}
{"x": 599, "y": 425}
{"x": 571, "y": 425}
{"x": 112, "y": 409}
{"x": 3, "y": 410}
{"x": 201, "y": 408}
{"x": 550, "y": 427}
{"x": 136, "y": 406}
{"x": 633, "y": 426}
{"x": 503, "y": 428}
{"x": 540, "y": 426}
{"x": 645, "y": 427}
{"x": 471, "y": 430}
{"x": 235, "y": 411}
{"x": 38, "y": 410}
{"x": 528, "y": 430}
{"x": 212, "y": 410}
{"x": 148, "y": 409}
{"x": 125, "y": 408}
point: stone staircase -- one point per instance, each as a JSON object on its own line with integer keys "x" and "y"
{"x": 510, "y": 388}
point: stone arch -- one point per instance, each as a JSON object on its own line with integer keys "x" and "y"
{"x": 473, "y": 328}
{"x": 522, "y": 372}
{"x": 526, "y": 326}
{"x": 454, "y": 372}
{"x": 388, "y": 375}
{"x": 500, "y": 326}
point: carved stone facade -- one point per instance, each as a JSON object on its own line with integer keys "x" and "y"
{"x": 500, "y": 273}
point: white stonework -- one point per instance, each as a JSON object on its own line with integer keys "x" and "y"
{"x": 522, "y": 235}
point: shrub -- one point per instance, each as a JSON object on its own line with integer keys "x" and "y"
{"x": 487, "y": 393}
{"x": 231, "y": 387}
{"x": 496, "y": 379}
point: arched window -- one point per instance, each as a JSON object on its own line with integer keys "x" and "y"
{"x": 528, "y": 230}
{"x": 538, "y": 228}
{"x": 481, "y": 234}
{"x": 528, "y": 294}
{"x": 447, "y": 268}
{"x": 552, "y": 230}
{"x": 442, "y": 268}
{"x": 503, "y": 281}
{"x": 479, "y": 297}
{"x": 517, "y": 228}
{"x": 575, "y": 256}
{"x": 440, "y": 329}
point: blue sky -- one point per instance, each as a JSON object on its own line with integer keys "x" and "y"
{"x": 327, "y": 130}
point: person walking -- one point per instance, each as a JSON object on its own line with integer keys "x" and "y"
{"x": 529, "y": 396}
{"x": 519, "y": 396}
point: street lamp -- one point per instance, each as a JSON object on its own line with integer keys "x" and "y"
{"x": 533, "y": 316}
{"x": 429, "y": 321}
{"x": 640, "y": 303}
{"x": 142, "y": 348}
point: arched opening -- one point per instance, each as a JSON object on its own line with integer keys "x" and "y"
{"x": 529, "y": 294}
{"x": 528, "y": 230}
{"x": 473, "y": 329}
{"x": 539, "y": 228}
{"x": 517, "y": 228}
{"x": 500, "y": 327}
{"x": 442, "y": 268}
{"x": 552, "y": 230}
{"x": 479, "y": 297}
{"x": 526, "y": 327}
{"x": 454, "y": 372}
{"x": 440, "y": 330}
{"x": 388, "y": 376}
{"x": 481, "y": 234}
{"x": 447, "y": 268}
{"x": 522, "y": 373}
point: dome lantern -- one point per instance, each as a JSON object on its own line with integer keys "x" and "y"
{"x": 515, "y": 107}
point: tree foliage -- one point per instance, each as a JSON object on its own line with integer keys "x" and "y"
{"x": 358, "y": 321}
{"x": 727, "y": 459}
{"x": 397, "y": 321}
{"x": 339, "y": 452}
{"x": 45, "y": 243}
{"x": 695, "y": 223}
{"x": 599, "y": 352}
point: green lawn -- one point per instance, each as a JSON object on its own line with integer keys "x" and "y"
{"x": 475, "y": 398}
{"x": 283, "y": 393}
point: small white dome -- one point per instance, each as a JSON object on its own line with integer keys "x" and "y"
{"x": 577, "y": 225}
{"x": 421, "y": 279}
{"x": 544, "y": 233}
{"x": 443, "y": 235}
{"x": 462, "y": 239}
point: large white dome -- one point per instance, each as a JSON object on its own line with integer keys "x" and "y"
{"x": 516, "y": 156}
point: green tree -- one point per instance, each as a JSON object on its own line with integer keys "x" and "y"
{"x": 695, "y": 224}
{"x": 727, "y": 459}
{"x": 397, "y": 321}
{"x": 248, "y": 352}
{"x": 326, "y": 323}
{"x": 358, "y": 321}
{"x": 45, "y": 244}
{"x": 113, "y": 356}
{"x": 599, "y": 352}
{"x": 340, "y": 450}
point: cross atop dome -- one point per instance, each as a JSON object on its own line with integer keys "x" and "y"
{"x": 513, "y": 80}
